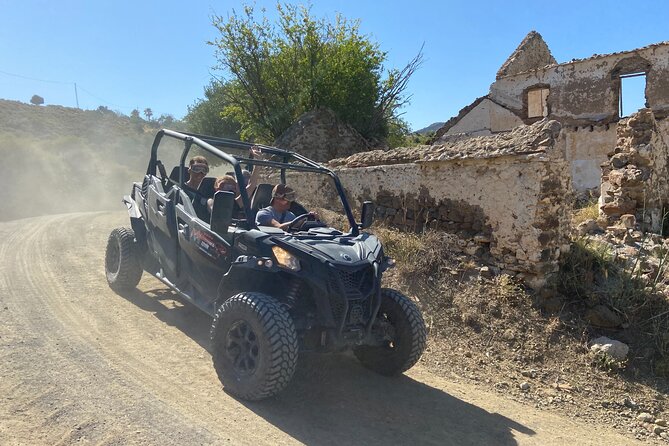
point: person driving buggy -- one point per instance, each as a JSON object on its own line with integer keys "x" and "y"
{"x": 278, "y": 213}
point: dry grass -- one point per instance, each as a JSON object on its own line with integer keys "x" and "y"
{"x": 589, "y": 211}
{"x": 491, "y": 331}
{"x": 591, "y": 276}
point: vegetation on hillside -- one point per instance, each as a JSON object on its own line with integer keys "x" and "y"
{"x": 59, "y": 159}
{"x": 274, "y": 72}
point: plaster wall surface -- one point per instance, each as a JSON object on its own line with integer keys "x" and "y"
{"x": 506, "y": 191}
{"x": 587, "y": 90}
{"x": 586, "y": 149}
{"x": 502, "y": 119}
{"x": 476, "y": 120}
{"x": 486, "y": 116}
{"x": 663, "y": 131}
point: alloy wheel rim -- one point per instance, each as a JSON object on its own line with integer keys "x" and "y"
{"x": 242, "y": 348}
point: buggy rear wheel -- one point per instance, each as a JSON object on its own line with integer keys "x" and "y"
{"x": 122, "y": 265}
{"x": 401, "y": 326}
{"x": 254, "y": 345}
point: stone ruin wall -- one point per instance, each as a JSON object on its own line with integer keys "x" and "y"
{"x": 635, "y": 178}
{"x": 584, "y": 96}
{"x": 503, "y": 195}
{"x": 586, "y": 91}
{"x": 321, "y": 136}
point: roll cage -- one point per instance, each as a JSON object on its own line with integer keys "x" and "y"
{"x": 216, "y": 146}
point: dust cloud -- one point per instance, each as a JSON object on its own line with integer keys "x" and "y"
{"x": 50, "y": 165}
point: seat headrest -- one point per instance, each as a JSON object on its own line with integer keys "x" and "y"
{"x": 206, "y": 187}
{"x": 174, "y": 175}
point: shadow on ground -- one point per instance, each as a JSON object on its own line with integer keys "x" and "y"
{"x": 173, "y": 310}
{"x": 333, "y": 400}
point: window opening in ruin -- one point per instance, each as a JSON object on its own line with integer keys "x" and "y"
{"x": 537, "y": 103}
{"x": 632, "y": 93}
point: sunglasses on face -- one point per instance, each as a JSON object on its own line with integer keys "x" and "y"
{"x": 289, "y": 197}
{"x": 199, "y": 168}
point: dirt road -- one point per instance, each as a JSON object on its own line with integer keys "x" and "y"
{"x": 81, "y": 364}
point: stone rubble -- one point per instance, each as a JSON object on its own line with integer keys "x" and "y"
{"x": 610, "y": 347}
{"x": 635, "y": 180}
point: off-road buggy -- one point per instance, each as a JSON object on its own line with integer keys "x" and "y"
{"x": 271, "y": 293}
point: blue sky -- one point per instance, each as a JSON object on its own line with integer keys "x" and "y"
{"x": 138, "y": 54}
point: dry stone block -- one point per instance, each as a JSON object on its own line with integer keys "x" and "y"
{"x": 628, "y": 221}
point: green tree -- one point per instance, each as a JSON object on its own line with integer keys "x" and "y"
{"x": 398, "y": 129}
{"x": 205, "y": 116}
{"x": 169, "y": 122}
{"x": 37, "y": 100}
{"x": 276, "y": 72}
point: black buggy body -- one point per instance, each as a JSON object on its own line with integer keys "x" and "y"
{"x": 271, "y": 293}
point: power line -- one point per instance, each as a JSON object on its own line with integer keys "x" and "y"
{"x": 34, "y": 79}
{"x": 103, "y": 100}
{"x": 76, "y": 87}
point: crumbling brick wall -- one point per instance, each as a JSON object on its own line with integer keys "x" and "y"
{"x": 635, "y": 179}
{"x": 506, "y": 193}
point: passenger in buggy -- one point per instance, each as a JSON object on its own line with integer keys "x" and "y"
{"x": 198, "y": 167}
{"x": 227, "y": 183}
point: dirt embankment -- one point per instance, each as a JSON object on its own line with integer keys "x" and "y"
{"x": 81, "y": 364}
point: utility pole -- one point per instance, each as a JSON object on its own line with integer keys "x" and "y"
{"x": 76, "y": 95}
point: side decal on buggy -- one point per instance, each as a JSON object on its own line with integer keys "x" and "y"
{"x": 208, "y": 246}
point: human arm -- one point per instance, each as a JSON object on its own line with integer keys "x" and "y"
{"x": 265, "y": 217}
{"x": 253, "y": 179}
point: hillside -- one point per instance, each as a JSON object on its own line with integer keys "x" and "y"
{"x": 430, "y": 128}
{"x": 50, "y": 155}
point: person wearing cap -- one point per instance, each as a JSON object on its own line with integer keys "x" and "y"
{"x": 277, "y": 214}
{"x": 198, "y": 167}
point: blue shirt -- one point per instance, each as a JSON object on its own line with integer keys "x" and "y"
{"x": 265, "y": 216}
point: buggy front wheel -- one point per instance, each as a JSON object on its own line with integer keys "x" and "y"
{"x": 254, "y": 344}
{"x": 401, "y": 329}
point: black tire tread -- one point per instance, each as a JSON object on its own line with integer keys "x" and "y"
{"x": 418, "y": 335}
{"x": 280, "y": 333}
{"x": 130, "y": 268}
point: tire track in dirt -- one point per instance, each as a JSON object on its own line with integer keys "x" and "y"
{"x": 81, "y": 363}
{"x": 67, "y": 356}
{"x": 135, "y": 342}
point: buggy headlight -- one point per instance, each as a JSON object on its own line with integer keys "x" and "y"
{"x": 286, "y": 259}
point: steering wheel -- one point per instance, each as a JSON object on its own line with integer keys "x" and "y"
{"x": 298, "y": 221}
{"x": 305, "y": 222}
